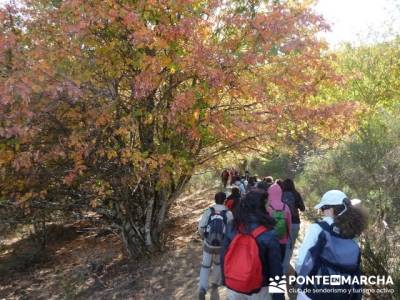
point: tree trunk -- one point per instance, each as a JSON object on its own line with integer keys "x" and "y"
{"x": 131, "y": 233}
{"x": 142, "y": 216}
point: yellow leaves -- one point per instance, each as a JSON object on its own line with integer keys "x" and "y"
{"x": 149, "y": 119}
{"x": 301, "y": 4}
{"x": 36, "y": 88}
{"x": 196, "y": 114}
{"x": 111, "y": 154}
{"x": 125, "y": 155}
{"x": 136, "y": 157}
{"x": 122, "y": 131}
{"x": 26, "y": 196}
{"x": 172, "y": 68}
{"x": 6, "y": 156}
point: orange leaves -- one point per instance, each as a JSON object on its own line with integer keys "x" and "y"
{"x": 196, "y": 114}
{"x": 130, "y": 89}
{"x": 131, "y": 20}
{"x": 76, "y": 171}
{"x": 23, "y": 160}
{"x": 142, "y": 37}
{"x": 103, "y": 119}
{"x": 6, "y": 156}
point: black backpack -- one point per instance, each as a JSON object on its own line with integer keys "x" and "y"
{"x": 290, "y": 199}
{"x": 216, "y": 228}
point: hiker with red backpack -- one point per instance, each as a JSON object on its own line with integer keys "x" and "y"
{"x": 212, "y": 228}
{"x": 278, "y": 210}
{"x": 251, "y": 254}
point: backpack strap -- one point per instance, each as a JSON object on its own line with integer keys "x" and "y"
{"x": 324, "y": 225}
{"x": 212, "y": 212}
{"x": 329, "y": 228}
{"x": 257, "y": 231}
{"x": 283, "y": 207}
{"x": 223, "y": 214}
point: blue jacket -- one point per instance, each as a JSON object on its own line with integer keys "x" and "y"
{"x": 269, "y": 250}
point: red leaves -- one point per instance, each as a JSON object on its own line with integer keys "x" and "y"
{"x": 78, "y": 28}
{"x": 13, "y": 131}
{"x": 182, "y": 103}
{"x": 100, "y": 86}
{"x": 131, "y": 20}
{"x": 145, "y": 83}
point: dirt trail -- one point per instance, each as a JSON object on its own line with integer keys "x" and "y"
{"x": 176, "y": 275}
{"x": 93, "y": 267}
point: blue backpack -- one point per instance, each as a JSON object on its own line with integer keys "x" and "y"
{"x": 216, "y": 228}
{"x": 332, "y": 255}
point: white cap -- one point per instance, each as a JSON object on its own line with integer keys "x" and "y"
{"x": 332, "y": 197}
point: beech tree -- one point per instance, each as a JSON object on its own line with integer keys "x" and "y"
{"x": 122, "y": 99}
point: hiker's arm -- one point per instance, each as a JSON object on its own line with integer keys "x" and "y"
{"x": 229, "y": 218}
{"x": 288, "y": 216}
{"x": 309, "y": 241}
{"x": 225, "y": 245}
{"x": 203, "y": 222}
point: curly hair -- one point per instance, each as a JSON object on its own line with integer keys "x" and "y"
{"x": 351, "y": 220}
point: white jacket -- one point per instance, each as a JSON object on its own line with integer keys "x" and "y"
{"x": 310, "y": 239}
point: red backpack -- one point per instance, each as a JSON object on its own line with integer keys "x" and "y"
{"x": 243, "y": 269}
{"x": 229, "y": 204}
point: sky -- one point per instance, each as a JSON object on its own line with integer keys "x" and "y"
{"x": 351, "y": 18}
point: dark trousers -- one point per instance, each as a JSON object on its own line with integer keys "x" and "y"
{"x": 283, "y": 251}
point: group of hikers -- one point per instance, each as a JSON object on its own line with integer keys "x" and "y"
{"x": 249, "y": 237}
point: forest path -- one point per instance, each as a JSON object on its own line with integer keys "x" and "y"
{"x": 176, "y": 274}
{"x": 81, "y": 264}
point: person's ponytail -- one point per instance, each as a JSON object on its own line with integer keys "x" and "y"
{"x": 351, "y": 220}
